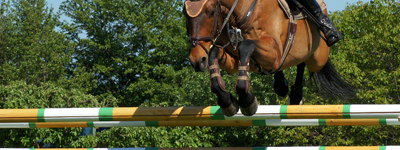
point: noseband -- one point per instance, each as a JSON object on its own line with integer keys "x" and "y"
{"x": 194, "y": 41}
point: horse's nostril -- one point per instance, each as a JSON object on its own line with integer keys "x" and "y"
{"x": 203, "y": 60}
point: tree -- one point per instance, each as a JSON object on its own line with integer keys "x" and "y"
{"x": 34, "y": 60}
{"x": 126, "y": 41}
{"x": 135, "y": 54}
{"x": 371, "y": 34}
{"x": 31, "y": 49}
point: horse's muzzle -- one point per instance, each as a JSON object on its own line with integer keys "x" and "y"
{"x": 199, "y": 66}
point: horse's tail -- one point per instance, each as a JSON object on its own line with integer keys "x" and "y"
{"x": 331, "y": 85}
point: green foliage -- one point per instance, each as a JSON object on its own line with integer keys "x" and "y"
{"x": 369, "y": 52}
{"x": 31, "y": 49}
{"x": 21, "y": 95}
{"x": 135, "y": 54}
{"x": 126, "y": 40}
{"x": 149, "y": 137}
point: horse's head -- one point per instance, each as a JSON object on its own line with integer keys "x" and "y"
{"x": 203, "y": 20}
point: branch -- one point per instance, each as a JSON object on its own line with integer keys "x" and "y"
{"x": 397, "y": 88}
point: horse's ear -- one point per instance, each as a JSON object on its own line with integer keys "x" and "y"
{"x": 193, "y": 8}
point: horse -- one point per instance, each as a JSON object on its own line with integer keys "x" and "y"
{"x": 265, "y": 30}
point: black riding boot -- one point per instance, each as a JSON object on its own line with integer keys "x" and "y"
{"x": 332, "y": 35}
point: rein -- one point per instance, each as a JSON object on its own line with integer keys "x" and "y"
{"x": 226, "y": 19}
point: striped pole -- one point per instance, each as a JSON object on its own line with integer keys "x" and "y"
{"x": 232, "y": 148}
{"x": 199, "y": 113}
{"x": 211, "y": 123}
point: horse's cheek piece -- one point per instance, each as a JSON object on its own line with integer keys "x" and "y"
{"x": 215, "y": 73}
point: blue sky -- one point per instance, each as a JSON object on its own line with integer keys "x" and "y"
{"x": 333, "y": 5}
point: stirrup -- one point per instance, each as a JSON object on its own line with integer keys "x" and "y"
{"x": 331, "y": 35}
{"x": 331, "y": 40}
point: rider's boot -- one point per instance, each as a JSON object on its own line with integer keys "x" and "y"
{"x": 331, "y": 33}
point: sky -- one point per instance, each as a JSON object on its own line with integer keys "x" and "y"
{"x": 333, "y": 5}
{"x": 337, "y": 5}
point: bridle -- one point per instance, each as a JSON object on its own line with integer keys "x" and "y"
{"x": 217, "y": 29}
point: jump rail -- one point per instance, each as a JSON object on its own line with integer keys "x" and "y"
{"x": 199, "y": 113}
{"x": 232, "y": 148}
{"x": 212, "y": 123}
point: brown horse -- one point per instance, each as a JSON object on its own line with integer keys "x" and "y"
{"x": 265, "y": 30}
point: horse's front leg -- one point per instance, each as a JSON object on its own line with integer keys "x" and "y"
{"x": 226, "y": 100}
{"x": 247, "y": 101}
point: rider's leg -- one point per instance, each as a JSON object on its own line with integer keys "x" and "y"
{"x": 331, "y": 33}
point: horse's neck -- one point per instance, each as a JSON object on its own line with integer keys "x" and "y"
{"x": 240, "y": 9}
{"x": 225, "y": 12}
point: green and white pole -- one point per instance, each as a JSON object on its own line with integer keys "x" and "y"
{"x": 199, "y": 113}
{"x": 232, "y": 148}
{"x": 269, "y": 122}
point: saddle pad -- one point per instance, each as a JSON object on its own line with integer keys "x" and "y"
{"x": 194, "y": 7}
{"x": 285, "y": 7}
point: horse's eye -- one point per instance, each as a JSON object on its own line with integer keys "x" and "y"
{"x": 212, "y": 13}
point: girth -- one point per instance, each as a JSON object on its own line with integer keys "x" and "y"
{"x": 292, "y": 28}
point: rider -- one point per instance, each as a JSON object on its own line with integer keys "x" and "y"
{"x": 331, "y": 33}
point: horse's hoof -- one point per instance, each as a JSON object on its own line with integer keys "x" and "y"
{"x": 296, "y": 96}
{"x": 251, "y": 110}
{"x": 300, "y": 103}
{"x": 281, "y": 88}
{"x": 231, "y": 109}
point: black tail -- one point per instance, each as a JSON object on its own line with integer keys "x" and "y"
{"x": 331, "y": 85}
